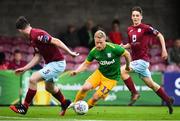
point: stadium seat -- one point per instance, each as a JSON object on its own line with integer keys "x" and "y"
{"x": 156, "y": 60}
{"x": 172, "y": 68}
{"x": 29, "y": 57}
{"x": 23, "y": 47}
{"x": 80, "y": 58}
{"x": 7, "y": 48}
{"x": 155, "y": 51}
{"x": 8, "y": 56}
{"x": 1, "y": 48}
{"x": 70, "y": 66}
{"x": 93, "y": 66}
{"x": 158, "y": 67}
{"x": 68, "y": 58}
{"x": 18, "y": 40}
{"x": 24, "y": 56}
{"x": 30, "y": 50}
{"x": 81, "y": 50}
{"x": 77, "y": 65}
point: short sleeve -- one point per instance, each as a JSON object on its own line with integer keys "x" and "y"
{"x": 90, "y": 56}
{"x": 151, "y": 30}
{"x": 44, "y": 37}
{"x": 119, "y": 50}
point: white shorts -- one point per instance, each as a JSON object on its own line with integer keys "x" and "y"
{"x": 52, "y": 70}
{"x": 141, "y": 67}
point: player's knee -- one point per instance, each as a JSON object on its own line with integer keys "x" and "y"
{"x": 123, "y": 73}
{"x": 85, "y": 88}
{"x": 155, "y": 86}
{"x": 49, "y": 89}
{"x": 33, "y": 80}
{"x": 95, "y": 97}
{"x": 151, "y": 85}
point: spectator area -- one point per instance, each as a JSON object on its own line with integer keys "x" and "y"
{"x": 9, "y": 44}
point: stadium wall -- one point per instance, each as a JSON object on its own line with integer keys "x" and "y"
{"x": 55, "y": 15}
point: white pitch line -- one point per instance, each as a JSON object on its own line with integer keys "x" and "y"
{"x": 55, "y": 119}
{"x": 15, "y": 117}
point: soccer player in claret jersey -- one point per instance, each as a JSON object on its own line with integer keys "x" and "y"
{"x": 47, "y": 47}
{"x": 138, "y": 42}
{"x": 106, "y": 76}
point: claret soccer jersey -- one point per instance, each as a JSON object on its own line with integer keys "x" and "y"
{"x": 40, "y": 40}
{"x": 138, "y": 39}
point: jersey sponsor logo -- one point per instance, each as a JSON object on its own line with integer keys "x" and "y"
{"x": 43, "y": 38}
{"x": 106, "y": 62}
{"x": 139, "y": 29}
{"x": 109, "y": 55}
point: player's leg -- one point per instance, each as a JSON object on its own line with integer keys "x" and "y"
{"x": 91, "y": 82}
{"x": 160, "y": 92}
{"x": 56, "y": 92}
{"x": 92, "y": 101}
{"x": 105, "y": 86}
{"x": 81, "y": 94}
{"x": 54, "y": 70}
{"x": 34, "y": 79}
{"x": 130, "y": 84}
{"x": 83, "y": 91}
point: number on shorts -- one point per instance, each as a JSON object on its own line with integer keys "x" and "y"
{"x": 105, "y": 90}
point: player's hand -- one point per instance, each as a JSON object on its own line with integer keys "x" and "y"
{"x": 74, "y": 54}
{"x": 73, "y": 73}
{"x": 121, "y": 45}
{"x": 127, "y": 68}
{"x": 20, "y": 70}
{"x": 164, "y": 54}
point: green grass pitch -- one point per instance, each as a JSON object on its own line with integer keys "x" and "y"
{"x": 101, "y": 113}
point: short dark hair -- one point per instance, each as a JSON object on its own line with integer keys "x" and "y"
{"x": 116, "y": 21}
{"x": 17, "y": 51}
{"x": 137, "y": 8}
{"x": 21, "y": 23}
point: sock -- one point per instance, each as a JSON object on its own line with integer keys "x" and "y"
{"x": 91, "y": 103}
{"x": 161, "y": 93}
{"x": 29, "y": 97}
{"x": 80, "y": 96}
{"x": 130, "y": 84}
{"x": 60, "y": 97}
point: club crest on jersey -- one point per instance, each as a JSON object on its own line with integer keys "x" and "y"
{"x": 139, "y": 30}
{"x": 109, "y": 55}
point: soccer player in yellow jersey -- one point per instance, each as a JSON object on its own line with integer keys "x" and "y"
{"x": 106, "y": 76}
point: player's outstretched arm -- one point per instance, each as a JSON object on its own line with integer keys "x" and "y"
{"x": 81, "y": 68}
{"x": 126, "y": 46}
{"x": 164, "y": 54}
{"x": 60, "y": 44}
{"x": 35, "y": 60}
{"x": 128, "y": 59}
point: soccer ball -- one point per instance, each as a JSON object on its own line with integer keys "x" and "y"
{"x": 81, "y": 107}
